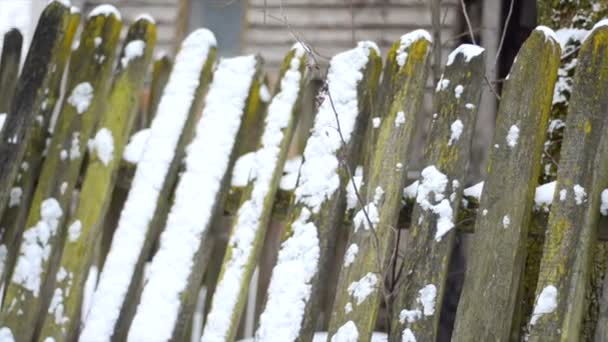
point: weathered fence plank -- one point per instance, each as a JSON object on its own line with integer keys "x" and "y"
{"x": 249, "y": 227}
{"x": 493, "y": 279}
{"x": 292, "y": 306}
{"x": 153, "y": 180}
{"x": 160, "y": 75}
{"x": 61, "y": 321}
{"x": 574, "y": 215}
{"x": 10, "y": 61}
{"x": 28, "y": 291}
{"x": 15, "y": 214}
{"x": 176, "y": 269}
{"x": 361, "y": 286}
{"x": 29, "y": 94}
{"x": 431, "y": 239}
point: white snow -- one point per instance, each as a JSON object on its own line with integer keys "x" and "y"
{"x": 351, "y": 254}
{"x": 242, "y": 171}
{"x": 408, "y": 336}
{"x": 249, "y": 223}
{"x": 434, "y": 183}
{"x": 376, "y": 122}
{"x": 150, "y": 175}
{"x": 81, "y": 97}
{"x": 426, "y": 297}
{"x": 319, "y": 178}
{"x": 105, "y": 10}
{"x": 6, "y": 335}
{"x": 265, "y": 95}
{"x": 351, "y": 195}
{"x": 410, "y": 191}
{"x": 407, "y": 40}
{"x": 74, "y": 230}
{"x": 360, "y": 220}
{"x": 362, "y": 288}
{"x": 290, "y": 174}
{"x": 15, "y": 196}
{"x": 35, "y": 249}
{"x": 409, "y": 316}
{"x": 580, "y": 195}
{"x": 468, "y": 51}
{"x": 545, "y": 303}
{"x": 563, "y": 193}
{"x": 89, "y": 289}
{"x": 2, "y": 120}
{"x": 75, "y": 146}
{"x": 458, "y": 91}
{"x": 604, "y": 205}
{"x": 346, "y": 333}
{"x": 544, "y": 194}
{"x": 549, "y": 33}
{"x": 399, "y": 119}
{"x": 348, "y": 308}
{"x": 196, "y": 195}
{"x": 145, "y": 16}
{"x": 443, "y": 84}
{"x": 456, "y": 128}
{"x": 134, "y": 49}
{"x": 103, "y": 145}
{"x": 474, "y": 191}
{"x": 506, "y": 221}
{"x": 512, "y": 136}
{"x": 136, "y": 146}
{"x": 566, "y": 35}
{"x": 288, "y": 292}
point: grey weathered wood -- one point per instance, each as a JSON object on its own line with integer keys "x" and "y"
{"x": 495, "y": 267}
{"x": 573, "y": 220}
{"x": 160, "y": 75}
{"x": 9, "y": 67}
{"x": 29, "y": 93}
{"x": 427, "y": 257}
{"x": 386, "y": 173}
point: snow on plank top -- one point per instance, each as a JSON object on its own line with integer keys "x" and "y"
{"x": 196, "y": 195}
{"x": 141, "y": 203}
{"x": 468, "y": 51}
{"x": 288, "y": 293}
{"x": 105, "y": 10}
{"x": 318, "y": 175}
{"x": 407, "y": 40}
{"x": 549, "y": 33}
{"x": 249, "y": 217}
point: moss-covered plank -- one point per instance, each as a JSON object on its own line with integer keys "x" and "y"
{"x": 432, "y": 238}
{"x": 61, "y": 321}
{"x": 573, "y": 219}
{"x": 177, "y": 268}
{"x": 160, "y": 75}
{"x": 27, "y": 292}
{"x": 29, "y": 93}
{"x": 293, "y": 300}
{"x": 496, "y": 264}
{"x": 144, "y": 212}
{"x": 10, "y": 61}
{"x": 252, "y": 218}
{"x": 13, "y": 220}
{"x": 360, "y": 288}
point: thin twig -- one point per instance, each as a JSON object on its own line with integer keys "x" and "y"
{"x": 504, "y": 33}
{"x": 468, "y": 21}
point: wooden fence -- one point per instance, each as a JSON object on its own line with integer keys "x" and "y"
{"x": 106, "y": 238}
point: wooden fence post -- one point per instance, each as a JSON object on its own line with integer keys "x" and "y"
{"x": 495, "y": 267}
{"x": 154, "y": 179}
{"x": 15, "y": 214}
{"x": 292, "y": 308}
{"x": 28, "y": 291}
{"x": 10, "y": 62}
{"x": 252, "y": 218}
{"x": 177, "y": 268}
{"x": 572, "y": 228}
{"x": 61, "y": 321}
{"x": 361, "y": 287}
{"x": 29, "y": 93}
{"x": 429, "y": 247}
{"x": 161, "y": 69}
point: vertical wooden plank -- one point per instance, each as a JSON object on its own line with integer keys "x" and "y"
{"x": 29, "y": 93}
{"x": 160, "y": 75}
{"x": 13, "y": 220}
{"x": 10, "y": 62}
{"x": 177, "y": 268}
{"x": 154, "y": 179}
{"x": 360, "y": 285}
{"x": 252, "y": 218}
{"x": 572, "y": 228}
{"x": 28, "y": 291}
{"x": 293, "y": 304}
{"x": 495, "y": 267}
{"x": 429, "y": 247}
{"x": 61, "y": 321}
